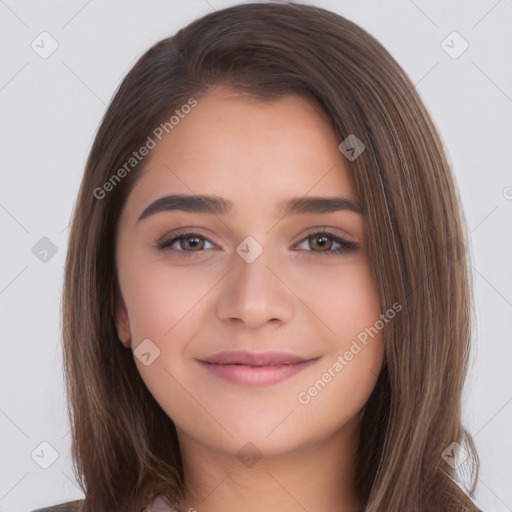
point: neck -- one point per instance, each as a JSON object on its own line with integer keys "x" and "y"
{"x": 319, "y": 477}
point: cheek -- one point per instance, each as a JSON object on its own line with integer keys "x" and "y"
{"x": 166, "y": 306}
{"x": 349, "y": 305}
{"x": 166, "y": 303}
{"x": 174, "y": 307}
{"x": 162, "y": 301}
{"x": 346, "y": 300}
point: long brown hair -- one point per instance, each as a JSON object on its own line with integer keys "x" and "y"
{"x": 125, "y": 448}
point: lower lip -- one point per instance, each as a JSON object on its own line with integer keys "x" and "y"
{"x": 256, "y": 375}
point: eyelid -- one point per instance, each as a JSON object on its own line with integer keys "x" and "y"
{"x": 169, "y": 239}
{"x": 335, "y": 232}
{"x": 191, "y": 230}
{"x": 347, "y": 242}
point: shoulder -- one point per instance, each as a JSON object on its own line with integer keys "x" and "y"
{"x": 70, "y": 506}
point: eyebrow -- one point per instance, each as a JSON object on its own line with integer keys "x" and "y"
{"x": 218, "y": 205}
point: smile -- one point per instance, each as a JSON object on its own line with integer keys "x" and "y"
{"x": 251, "y": 369}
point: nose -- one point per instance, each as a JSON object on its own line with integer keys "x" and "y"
{"x": 256, "y": 293}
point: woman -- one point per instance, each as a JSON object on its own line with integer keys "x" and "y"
{"x": 215, "y": 360}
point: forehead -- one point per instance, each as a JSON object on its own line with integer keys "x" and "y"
{"x": 254, "y": 152}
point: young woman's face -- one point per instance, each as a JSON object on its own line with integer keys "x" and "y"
{"x": 251, "y": 279}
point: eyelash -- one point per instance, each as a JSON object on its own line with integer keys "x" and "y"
{"x": 346, "y": 246}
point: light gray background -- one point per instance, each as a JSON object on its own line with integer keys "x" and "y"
{"x": 51, "y": 108}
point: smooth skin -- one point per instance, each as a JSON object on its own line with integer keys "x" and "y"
{"x": 198, "y": 297}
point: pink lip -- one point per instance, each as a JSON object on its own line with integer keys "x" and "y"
{"x": 255, "y": 369}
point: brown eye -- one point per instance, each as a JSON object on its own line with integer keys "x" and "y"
{"x": 183, "y": 242}
{"x": 329, "y": 244}
{"x": 191, "y": 242}
{"x": 324, "y": 243}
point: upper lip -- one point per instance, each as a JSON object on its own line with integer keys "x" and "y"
{"x": 254, "y": 358}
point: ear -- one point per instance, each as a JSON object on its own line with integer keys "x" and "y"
{"x": 120, "y": 315}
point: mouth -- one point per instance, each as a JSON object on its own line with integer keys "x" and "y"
{"x": 255, "y": 369}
